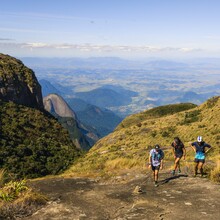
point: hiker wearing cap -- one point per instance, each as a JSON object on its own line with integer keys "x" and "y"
{"x": 156, "y": 162}
{"x": 179, "y": 151}
{"x": 200, "y": 148}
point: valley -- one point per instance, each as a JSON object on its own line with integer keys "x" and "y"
{"x": 151, "y": 83}
{"x": 110, "y": 181}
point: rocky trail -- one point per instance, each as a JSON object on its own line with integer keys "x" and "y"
{"x": 177, "y": 197}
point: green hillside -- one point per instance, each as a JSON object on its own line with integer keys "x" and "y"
{"x": 128, "y": 146}
{"x": 32, "y": 143}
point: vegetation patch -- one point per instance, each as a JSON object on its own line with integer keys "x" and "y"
{"x": 160, "y": 111}
{"x": 33, "y": 143}
{"x": 212, "y": 102}
{"x": 191, "y": 116}
{"x": 18, "y": 200}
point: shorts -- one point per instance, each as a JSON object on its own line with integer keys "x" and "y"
{"x": 179, "y": 155}
{"x": 155, "y": 167}
{"x": 199, "y": 160}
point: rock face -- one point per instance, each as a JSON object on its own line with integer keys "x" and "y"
{"x": 56, "y": 105}
{"x": 81, "y": 136}
{"x": 19, "y": 83}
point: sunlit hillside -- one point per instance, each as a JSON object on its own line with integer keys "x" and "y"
{"x": 128, "y": 146}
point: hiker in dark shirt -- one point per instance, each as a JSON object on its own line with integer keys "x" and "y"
{"x": 179, "y": 151}
{"x": 200, "y": 148}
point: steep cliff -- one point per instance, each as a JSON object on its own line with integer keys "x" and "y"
{"x": 83, "y": 137}
{"x": 18, "y": 83}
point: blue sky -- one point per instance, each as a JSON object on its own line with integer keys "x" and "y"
{"x": 124, "y": 28}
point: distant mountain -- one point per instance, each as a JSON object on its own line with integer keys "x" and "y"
{"x": 48, "y": 88}
{"x": 105, "y": 97}
{"x": 98, "y": 121}
{"x": 79, "y": 133}
{"x": 54, "y": 88}
{"x": 102, "y": 120}
{"x": 165, "y": 64}
{"x": 163, "y": 97}
{"x": 77, "y": 104}
{"x": 101, "y": 63}
{"x": 64, "y": 90}
{"x": 19, "y": 83}
{"x": 215, "y": 87}
{"x": 121, "y": 90}
{"x": 191, "y": 97}
{"x": 92, "y": 62}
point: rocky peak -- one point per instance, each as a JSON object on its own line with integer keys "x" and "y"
{"x": 54, "y": 103}
{"x": 19, "y": 83}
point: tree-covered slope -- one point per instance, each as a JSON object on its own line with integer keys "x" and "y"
{"x": 32, "y": 143}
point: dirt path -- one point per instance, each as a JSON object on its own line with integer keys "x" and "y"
{"x": 178, "y": 197}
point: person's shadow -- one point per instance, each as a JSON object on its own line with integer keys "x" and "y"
{"x": 172, "y": 178}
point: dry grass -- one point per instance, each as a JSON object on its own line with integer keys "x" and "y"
{"x": 215, "y": 173}
{"x": 120, "y": 163}
{"x": 129, "y": 145}
{"x": 2, "y": 175}
{"x": 25, "y": 205}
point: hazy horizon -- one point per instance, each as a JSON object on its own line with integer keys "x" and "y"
{"x": 127, "y": 29}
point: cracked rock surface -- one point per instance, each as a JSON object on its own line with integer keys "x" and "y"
{"x": 178, "y": 197}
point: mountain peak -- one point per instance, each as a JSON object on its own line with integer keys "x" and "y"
{"x": 19, "y": 83}
{"x": 55, "y": 103}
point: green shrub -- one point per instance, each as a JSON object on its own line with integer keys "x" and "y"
{"x": 153, "y": 134}
{"x": 212, "y": 101}
{"x": 191, "y": 117}
{"x": 11, "y": 190}
{"x": 33, "y": 143}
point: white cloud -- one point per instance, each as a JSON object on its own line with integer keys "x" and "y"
{"x": 97, "y": 48}
{"x": 35, "y": 45}
{"x": 187, "y": 50}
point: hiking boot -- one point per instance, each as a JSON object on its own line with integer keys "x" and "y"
{"x": 195, "y": 174}
{"x": 173, "y": 172}
{"x": 156, "y": 184}
{"x": 179, "y": 171}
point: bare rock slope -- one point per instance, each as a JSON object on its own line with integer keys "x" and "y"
{"x": 178, "y": 197}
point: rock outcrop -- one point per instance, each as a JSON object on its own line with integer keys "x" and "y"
{"x": 55, "y": 104}
{"x": 19, "y": 83}
{"x": 82, "y": 136}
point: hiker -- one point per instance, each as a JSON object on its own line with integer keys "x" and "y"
{"x": 156, "y": 162}
{"x": 200, "y": 148}
{"x": 179, "y": 151}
